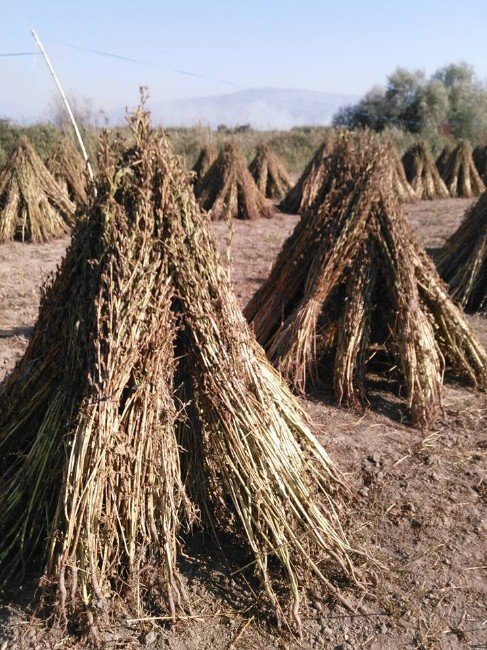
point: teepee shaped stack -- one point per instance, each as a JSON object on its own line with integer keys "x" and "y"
{"x": 269, "y": 173}
{"x": 33, "y": 207}
{"x": 400, "y": 183}
{"x": 228, "y": 189}
{"x": 479, "y": 156}
{"x": 443, "y": 158}
{"x": 460, "y": 174}
{"x": 422, "y": 173}
{"x": 352, "y": 283}
{"x": 202, "y": 165}
{"x": 462, "y": 262}
{"x": 142, "y": 399}
{"x": 69, "y": 169}
{"x": 302, "y": 196}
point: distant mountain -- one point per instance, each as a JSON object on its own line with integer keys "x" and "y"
{"x": 262, "y": 108}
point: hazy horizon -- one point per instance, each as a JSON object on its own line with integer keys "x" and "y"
{"x": 119, "y": 110}
{"x": 186, "y": 50}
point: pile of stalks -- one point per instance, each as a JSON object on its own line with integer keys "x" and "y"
{"x": 144, "y": 406}
{"x": 33, "y": 207}
{"x": 422, "y": 173}
{"x": 352, "y": 292}
{"x": 400, "y": 183}
{"x": 203, "y": 163}
{"x": 460, "y": 174}
{"x": 443, "y": 158}
{"x": 69, "y": 169}
{"x": 304, "y": 194}
{"x": 479, "y": 156}
{"x": 228, "y": 190}
{"x": 269, "y": 173}
{"x": 462, "y": 262}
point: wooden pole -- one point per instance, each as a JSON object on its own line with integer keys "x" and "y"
{"x": 66, "y": 103}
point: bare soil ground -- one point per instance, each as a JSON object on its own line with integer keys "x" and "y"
{"x": 420, "y": 506}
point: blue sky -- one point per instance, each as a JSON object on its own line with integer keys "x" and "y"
{"x": 342, "y": 46}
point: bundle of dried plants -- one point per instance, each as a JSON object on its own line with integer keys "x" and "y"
{"x": 69, "y": 169}
{"x": 479, "y": 156}
{"x": 400, "y": 183}
{"x": 443, "y": 157}
{"x": 203, "y": 163}
{"x": 142, "y": 399}
{"x": 460, "y": 174}
{"x": 353, "y": 290}
{"x": 422, "y": 173}
{"x": 228, "y": 190}
{"x": 462, "y": 262}
{"x": 269, "y": 173}
{"x": 304, "y": 194}
{"x": 33, "y": 207}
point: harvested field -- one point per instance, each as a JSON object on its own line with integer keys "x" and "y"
{"x": 421, "y": 506}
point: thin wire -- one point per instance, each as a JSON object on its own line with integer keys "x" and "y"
{"x": 101, "y": 53}
{"x": 4, "y": 54}
{"x": 388, "y": 120}
{"x": 145, "y": 63}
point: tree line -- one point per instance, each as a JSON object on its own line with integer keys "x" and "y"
{"x": 451, "y": 103}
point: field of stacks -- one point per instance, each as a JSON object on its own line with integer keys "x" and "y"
{"x": 417, "y": 503}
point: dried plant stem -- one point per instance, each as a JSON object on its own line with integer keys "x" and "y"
{"x": 33, "y": 207}
{"x": 69, "y": 169}
{"x": 422, "y": 173}
{"x": 269, "y": 174}
{"x": 228, "y": 189}
{"x": 352, "y": 276}
{"x": 460, "y": 174}
{"x": 142, "y": 399}
{"x": 462, "y": 262}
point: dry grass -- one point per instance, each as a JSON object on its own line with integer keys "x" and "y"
{"x": 422, "y": 173}
{"x": 90, "y": 465}
{"x": 462, "y": 262}
{"x": 33, "y": 207}
{"x": 352, "y": 290}
{"x": 302, "y": 196}
{"x": 312, "y": 186}
{"x": 102, "y": 462}
{"x": 69, "y": 169}
{"x": 269, "y": 173}
{"x": 460, "y": 174}
{"x": 443, "y": 158}
{"x": 400, "y": 183}
{"x": 228, "y": 190}
{"x": 479, "y": 156}
{"x": 203, "y": 163}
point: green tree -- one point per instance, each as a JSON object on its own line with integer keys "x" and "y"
{"x": 467, "y": 98}
{"x": 433, "y": 109}
{"x": 402, "y": 99}
{"x": 453, "y": 102}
